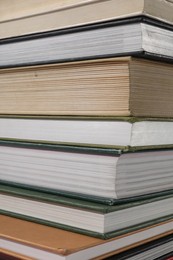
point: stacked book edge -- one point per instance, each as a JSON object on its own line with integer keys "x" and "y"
{"x": 86, "y": 144}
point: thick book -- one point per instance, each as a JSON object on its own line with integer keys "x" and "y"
{"x": 29, "y": 17}
{"x": 98, "y": 172}
{"x": 31, "y": 239}
{"x": 88, "y": 218}
{"x": 123, "y": 86}
{"x": 158, "y": 249}
{"x": 129, "y": 133}
{"x": 133, "y": 36}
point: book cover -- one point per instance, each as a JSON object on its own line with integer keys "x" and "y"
{"x": 68, "y": 245}
{"x": 81, "y": 216}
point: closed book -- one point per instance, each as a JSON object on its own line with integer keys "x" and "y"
{"x": 30, "y": 17}
{"x": 109, "y": 87}
{"x": 33, "y": 240}
{"x": 139, "y": 36}
{"x": 100, "y": 172}
{"x": 127, "y": 133}
{"x": 84, "y": 217}
{"x": 158, "y": 249}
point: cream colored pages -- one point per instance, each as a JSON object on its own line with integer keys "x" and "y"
{"x": 17, "y": 9}
{"x": 53, "y": 15}
{"x": 161, "y": 9}
{"x": 104, "y": 87}
{"x": 79, "y": 88}
{"x": 27, "y": 17}
{"x": 151, "y": 88}
{"x": 91, "y": 12}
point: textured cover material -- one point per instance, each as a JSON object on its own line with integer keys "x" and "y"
{"x": 26, "y": 17}
{"x": 56, "y": 240}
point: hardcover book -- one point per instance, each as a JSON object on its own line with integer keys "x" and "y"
{"x": 30, "y": 17}
{"x": 127, "y": 132}
{"x": 89, "y": 218}
{"x": 134, "y": 36}
{"x": 109, "y": 87}
{"x": 30, "y": 239}
{"x": 158, "y": 249}
{"x": 98, "y": 172}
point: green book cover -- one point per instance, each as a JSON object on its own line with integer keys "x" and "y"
{"x": 101, "y": 153}
{"x": 107, "y": 202}
{"x": 87, "y": 232}
{"x": 79, "y": 203}
{"x": 73, "y": 146}
{"x": 87, "y": 206}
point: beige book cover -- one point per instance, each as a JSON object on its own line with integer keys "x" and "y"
{"x": 108, "y": 87}
{"x": 65, "y": 243}
{"x": 19, "y": 17}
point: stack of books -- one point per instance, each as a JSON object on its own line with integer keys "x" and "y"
{"x": 86, "y": 129}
